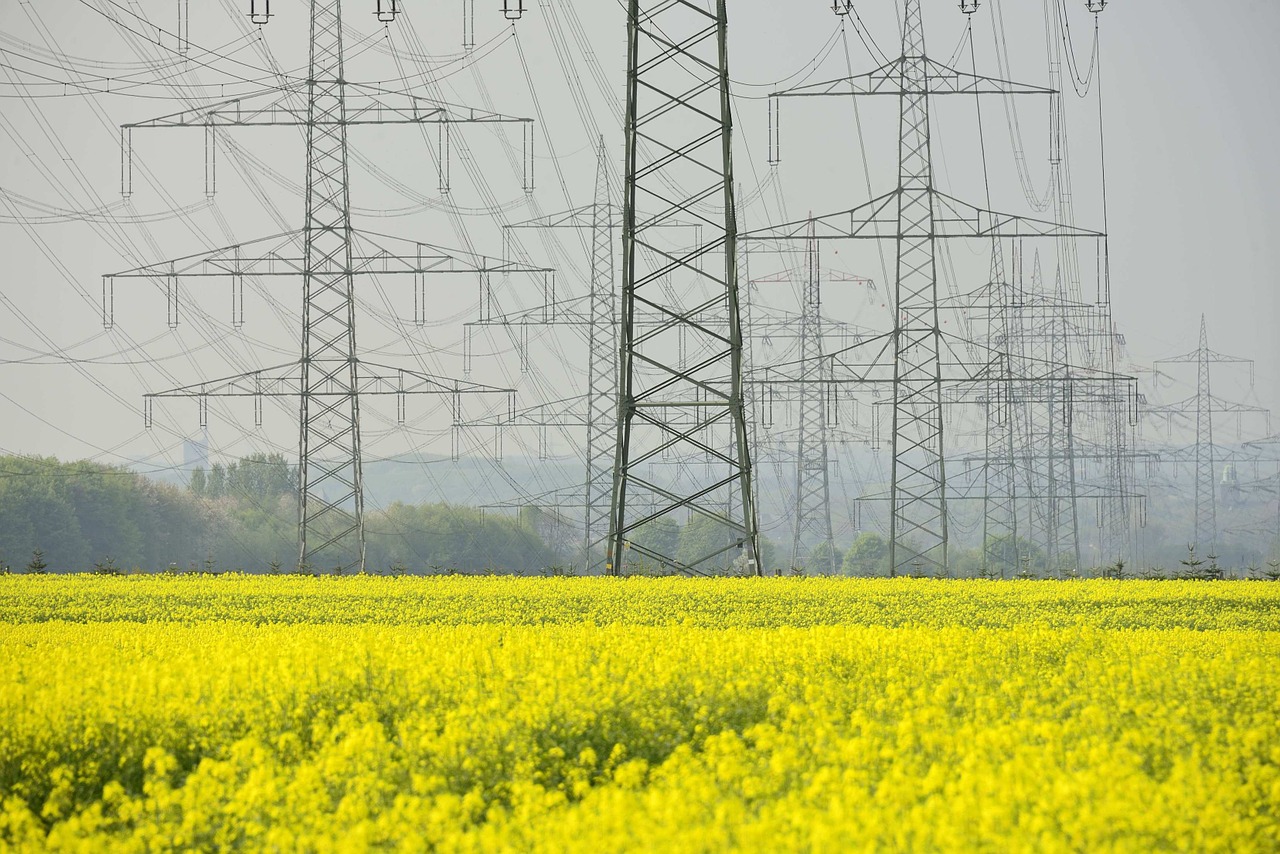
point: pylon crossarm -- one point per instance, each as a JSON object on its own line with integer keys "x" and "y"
{"x": 975, "y": 460}
{"x": 940, "y": 79}
{"x": 876, "y": 219}
{"x": 1211, "y": 355}
{"x": 286, "y": 381}
{"x": 1245, "y": 455}
{"x": 288, "y": 107}
{"x": 780, "y": 324}
{"x": 277, "y": 381}
{"x": 569, "y": 412}
{"x": 953, "y": 219}
{"x": 1270, "y": 440}
{"x": 566, "y": 312}
{"x": 407, "y": 381}
{"x": 584, "y": 216}
{"x": 284, "y": 255}
{"x": 974, "y": 481}
{"x": 1188, "y": 408}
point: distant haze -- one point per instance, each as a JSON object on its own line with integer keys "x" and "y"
{"x": 1193, "y": 193}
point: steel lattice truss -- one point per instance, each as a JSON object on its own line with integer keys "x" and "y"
{"x": 602, "y": 373}
{"x": 328, "y": 254}
{"x": 679, "y": 164}
{"x": 1201, "y": 409}
{"x": 813, "y": 465}
{"x": 923, "y": 363}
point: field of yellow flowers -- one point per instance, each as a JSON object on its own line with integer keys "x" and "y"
{"x": 599, "y": 715}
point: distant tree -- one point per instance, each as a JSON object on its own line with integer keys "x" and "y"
{"x": 560, "y": 534}
{"x": 106, "y": 566}
{"x": 869, "y": 555}
{"x": 199, "y": 481}
{"x": 1193, "y": 564}
{"x": 75, "y": 512}
{"x": 454, "y": 538}
{"x": 261, "y": 476}
{"x": 823, "y": 560}
{"x": 217, "y": 485}
{"x": 37, "y": 566}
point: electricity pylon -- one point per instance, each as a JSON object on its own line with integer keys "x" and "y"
{"x": 679, "y": 159}
{"x": 1048, "y": 440}
{"x": 330, "y": 378}
{"x": 1105, "y": 423}
{"x": 813, "y": 465}
{"x": 602, "y": 371}
{"x": 1032, "y": 494}
{"x": 1270, "y": 444}
{"x": 1000, "y": 541}
{"x": 916, "y": 359}
{"x": 1201, "y": 409}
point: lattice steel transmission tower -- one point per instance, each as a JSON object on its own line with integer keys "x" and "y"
{"x": 329, "y": 254}
{"x": 1048, "y": 440}
{"x": 1201, "y": 409}
{"x": 1271, "y": 485}
{"x": 1001, "y": 545}
{"x": 921, "y": 360}
{"x": 813, "y": 464}
{"x": 602, "y": 371}
{"x": 329, "y": 419}
{"x": 919, "y": 520}
{"x": 679, "y": 160}
{"x": 1100, "y": 430}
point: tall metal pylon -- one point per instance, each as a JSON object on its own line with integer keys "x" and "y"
{"x": 329, "y": 379}
{"x": 1000, "y": 541}
{"x": 602, "y": 371}
{"x": 330, "y": 472}
{"x": 1106, "y": 422}
{"x": 681, "y": 382}
{"x": 918, "y": 524}
{"x": 915, "y": 215}
{"x": 1272, "y": 485}
{"x": 1206, "y": 488}
{"x": 1201, "y": 409}
{"x": 1048, "y": 447}
{"x": 813, "y": 465}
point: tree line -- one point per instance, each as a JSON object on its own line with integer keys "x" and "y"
{"x": 83, "y": 517}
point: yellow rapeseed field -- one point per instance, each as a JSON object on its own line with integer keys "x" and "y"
{"x": 597, "y": 715}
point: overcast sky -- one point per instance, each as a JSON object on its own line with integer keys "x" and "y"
{"x": 1193, "y": 182}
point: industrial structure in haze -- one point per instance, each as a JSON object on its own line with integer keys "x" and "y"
{"x": 1024, "y": 374}
{"x": 700, "y": 396}
{"x": 1214, "y": 468}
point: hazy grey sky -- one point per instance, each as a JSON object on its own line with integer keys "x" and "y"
{"x": 1194, "y": 185}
